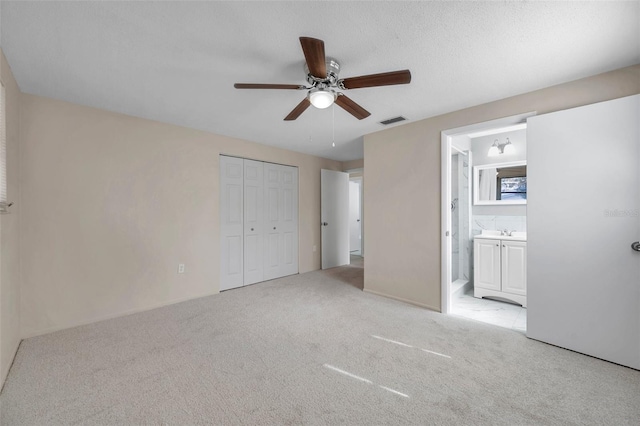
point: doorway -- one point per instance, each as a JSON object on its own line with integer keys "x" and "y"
{"x": 475, "y": 283}
{"x": 342, "y": 218}
{"x": 356, "y": 243}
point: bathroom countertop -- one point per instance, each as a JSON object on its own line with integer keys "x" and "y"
{"x": 495, "y": 235}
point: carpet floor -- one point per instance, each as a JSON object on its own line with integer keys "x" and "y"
{"x": 308, "y": 349}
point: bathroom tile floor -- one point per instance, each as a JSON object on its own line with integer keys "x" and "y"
{"x": 502, "y": 314}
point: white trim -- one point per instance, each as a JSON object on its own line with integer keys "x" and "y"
{"x": 445, "y": 198}
{"x": 496, "y": 131}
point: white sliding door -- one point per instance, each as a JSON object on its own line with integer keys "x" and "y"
{"x": 582, "y": 214}
{"x": 231, "y": 222}
{"x": 334, "y": 214}
{"x": 258, "y": 221}
{"x": 253, "y": 221}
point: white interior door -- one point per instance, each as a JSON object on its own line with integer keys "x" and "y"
{"x": 354, "y": 216}
{"x": 231, "y": 222}
{"x": 253, "y": 221}
{"x": 334, "y": 215}
{"x": 582, "y": 216}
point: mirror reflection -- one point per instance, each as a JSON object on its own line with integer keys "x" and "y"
{"x": 504, "y": 183}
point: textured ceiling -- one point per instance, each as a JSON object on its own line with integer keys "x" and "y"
{"x": 176, "y": 62}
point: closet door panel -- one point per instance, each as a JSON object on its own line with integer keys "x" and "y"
{"x": 231, "y": 222}
{"x": 259, "y": 221}
{"x": 253, "y": 221}
{"x": 289, "y": 220}
{"x": 272, "y": 222}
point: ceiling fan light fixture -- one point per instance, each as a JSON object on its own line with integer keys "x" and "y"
{"x": 321, "y": 98}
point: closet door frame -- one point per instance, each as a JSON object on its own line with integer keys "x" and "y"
{"x": 284, "y": 217}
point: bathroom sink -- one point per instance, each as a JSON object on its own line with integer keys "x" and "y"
{"x": 495, "y": 235}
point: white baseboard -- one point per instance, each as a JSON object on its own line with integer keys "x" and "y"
{"x": 30, "y": 334}
{"x": 400, "y": 299}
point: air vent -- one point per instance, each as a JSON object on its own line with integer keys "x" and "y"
{"x": 392, "y": 120}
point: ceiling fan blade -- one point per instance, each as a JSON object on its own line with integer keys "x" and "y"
{"x": 351, "y": 107}
{"x": 299, "y": 109}
{"x": 314, "y": 55}
{"x": 268, "y": 86}
{"x": 373, "y": 80}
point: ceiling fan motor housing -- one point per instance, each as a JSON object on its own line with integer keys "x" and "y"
{"x": 321, "y": 92}
{"x": 333, "y": 70}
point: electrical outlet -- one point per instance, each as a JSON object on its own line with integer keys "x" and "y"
{"x": 315, "y": 249}
{"x": 181, "y": 268}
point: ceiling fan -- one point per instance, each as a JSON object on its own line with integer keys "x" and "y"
{"x": 322, "y": 75}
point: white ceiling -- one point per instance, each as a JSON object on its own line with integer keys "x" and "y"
{"x": 176, "y": 62}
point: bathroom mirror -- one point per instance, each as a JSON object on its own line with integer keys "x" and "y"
{"x": 500, "y": 184}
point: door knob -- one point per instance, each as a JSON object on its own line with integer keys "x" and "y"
{"x": 325, "y": 224}
{"x": 252, "y": 229}
{"x": 274, "y": 227}
{"x": 636, "y": 246}
{"x": 357, "y": 220}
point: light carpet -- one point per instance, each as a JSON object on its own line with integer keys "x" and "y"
{"x": 308, "y": 349}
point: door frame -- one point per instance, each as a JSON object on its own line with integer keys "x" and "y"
{"x": 445, "y": 194}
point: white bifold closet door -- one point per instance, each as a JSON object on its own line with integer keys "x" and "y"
{"x": 253, "y": 221}
{"x": 231, "y": 222}
{"x": 258, "y": 221}
{"x": 281, "y": 220}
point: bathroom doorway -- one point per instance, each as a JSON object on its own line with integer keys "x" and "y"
{"x": 484, "y": 222}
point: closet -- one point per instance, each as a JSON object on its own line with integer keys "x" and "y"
{"x": 258, "y": 221}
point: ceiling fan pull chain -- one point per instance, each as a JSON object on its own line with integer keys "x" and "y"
{"x": 333, "y": 120}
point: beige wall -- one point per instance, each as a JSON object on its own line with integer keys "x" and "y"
{"x": 402, "y": 194}
{"x": 112, "y": 204}
{"x": 9, "y": 227}
{"x": 353, "y": 164}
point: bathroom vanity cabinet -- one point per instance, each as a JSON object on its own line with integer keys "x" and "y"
{"x": 500, "y": 268}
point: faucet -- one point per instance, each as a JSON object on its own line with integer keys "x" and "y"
{"x": 505, "y": 232}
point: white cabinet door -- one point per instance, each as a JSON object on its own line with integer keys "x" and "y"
{"x": 253, "y": 221}
{"x": 582, "y": 214}
{"x": 231, "y": 222}
{"x": 486, "y": 262}
{"x": 334, "y": 214}
{"x": 514, "y": 267}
